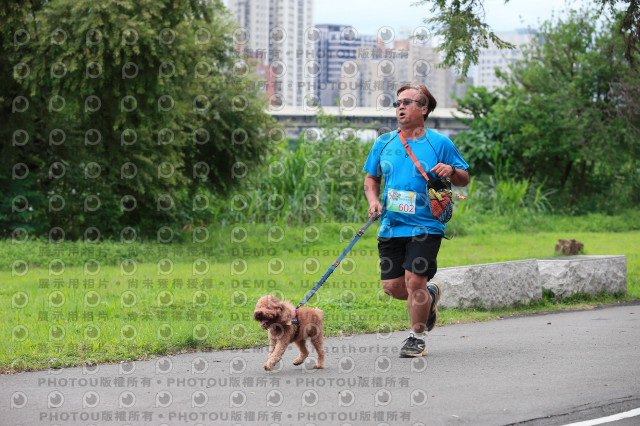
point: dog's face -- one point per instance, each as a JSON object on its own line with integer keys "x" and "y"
{"x": 270, "y": 310}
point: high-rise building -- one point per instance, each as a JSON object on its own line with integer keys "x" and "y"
{"x": 374, "y": 76}
{"x": 253, "y": 18}
{"x": 492, "y": 57}
{"x": 290, "y": 40}
{"x": 281, "y": 33}
{"x": 335, "y": 45}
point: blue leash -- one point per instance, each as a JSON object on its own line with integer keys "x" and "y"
{"x": 315, "y": 288}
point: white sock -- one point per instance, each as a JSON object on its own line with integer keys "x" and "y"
{"x": 422, "y": 336}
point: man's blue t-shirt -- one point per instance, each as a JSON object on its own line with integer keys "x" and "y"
{"x": 405, "y": 211}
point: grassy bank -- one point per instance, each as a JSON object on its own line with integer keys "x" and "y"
{"x": 75, "y": 303}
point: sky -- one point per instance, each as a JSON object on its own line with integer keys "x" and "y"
{"x": 368, "y": 16}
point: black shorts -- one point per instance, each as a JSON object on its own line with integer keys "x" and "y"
{"x": 415, "y": 254}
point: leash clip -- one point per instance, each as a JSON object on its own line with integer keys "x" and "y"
{"x": 295, "y": 322}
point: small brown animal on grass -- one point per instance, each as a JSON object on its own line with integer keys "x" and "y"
{"x": 569, "y": 247}
{"x": 276, "y": 315}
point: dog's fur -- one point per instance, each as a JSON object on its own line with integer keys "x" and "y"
{"x": 570, "y": 247}
{"x": 275, "y": 315}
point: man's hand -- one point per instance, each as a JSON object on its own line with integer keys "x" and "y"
{"x": 375, "y": 207}
{"x": 442, "y": 170}
{"x": 459, "y": 178}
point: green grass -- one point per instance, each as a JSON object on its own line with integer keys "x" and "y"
{"x": 59, "y": 316}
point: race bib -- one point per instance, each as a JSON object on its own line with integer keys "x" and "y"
{"x": 401, "y": 201}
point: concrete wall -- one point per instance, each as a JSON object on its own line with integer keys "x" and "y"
{"x": 506, "y": 283}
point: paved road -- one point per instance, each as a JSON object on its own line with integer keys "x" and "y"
{"x": 554, "y": 368}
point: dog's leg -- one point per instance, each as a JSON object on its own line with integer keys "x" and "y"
{"x": 272, "y": 344}
{"x": 275, "y": 355}
{"x": 304, "y": 352}
{"x": 318, "y": 343}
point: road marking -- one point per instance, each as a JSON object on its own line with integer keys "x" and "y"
{"x": 608, "y": 419}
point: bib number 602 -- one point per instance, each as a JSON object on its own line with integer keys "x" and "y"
{"x": 406, "y": 208}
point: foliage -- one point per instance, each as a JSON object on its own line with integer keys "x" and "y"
{"x": 567, "y": 113}
{"x": 226, "y": 244}
{"x": 462, "y": 26}
{"x": 121, "y": 112}
{"x": 513, "y": 204}
{"x": 319, "y": 179}
{"x": 463, "y": 30}
{"x": 481, "y": 143}
{"x": 629, "y": 28}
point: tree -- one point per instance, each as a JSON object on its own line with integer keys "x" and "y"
{"x": 464, "y": 32}
{"x": 568, "y": 114}
{"x": 134, "y": 109}
{"x": 481, "y": 143}
{"x": 15, "y": 151}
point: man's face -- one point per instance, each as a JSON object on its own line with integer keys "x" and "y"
{"x": 411, "y": 115}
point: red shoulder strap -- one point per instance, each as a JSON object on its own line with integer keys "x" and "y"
{"x": 413, "y": 157}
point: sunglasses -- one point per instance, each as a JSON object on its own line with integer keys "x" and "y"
{"x": 405, "y": 102}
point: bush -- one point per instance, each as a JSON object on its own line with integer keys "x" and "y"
{"x": 319, "y": 179}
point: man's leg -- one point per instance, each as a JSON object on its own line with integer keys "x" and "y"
{"x": 418, "y": 301}
{"x": 398, "y": 258}
{"x": 396, "y": 288}
{"x": 418, "y": 305}
{"x": 412, "y": 288}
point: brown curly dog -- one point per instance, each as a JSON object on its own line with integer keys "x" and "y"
{"x": 276, "y": 315}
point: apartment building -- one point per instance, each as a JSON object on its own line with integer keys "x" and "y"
{"x": 492, "y": 57}
{"x": 374, "y": 76}
{"x": 335, "y": 45}
{"x": 279, "y": 34}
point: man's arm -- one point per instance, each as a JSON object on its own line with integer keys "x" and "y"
{"x": 460, "y": 178}
{"x": 371, "y": 191}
